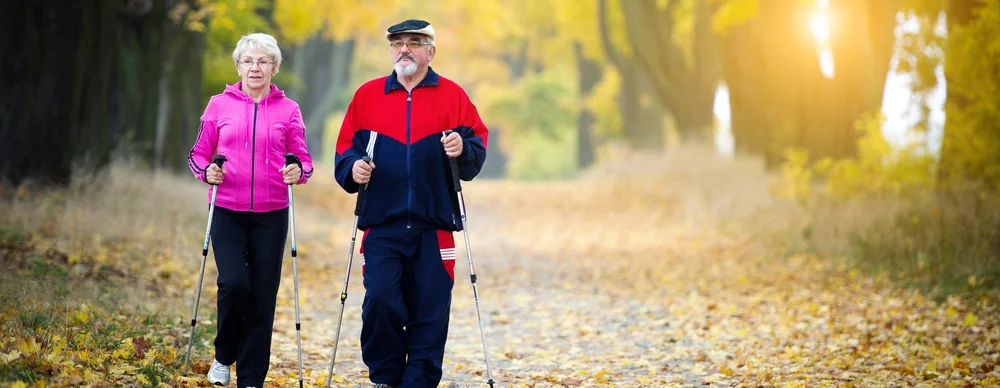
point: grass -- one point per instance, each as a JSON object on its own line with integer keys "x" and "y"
{"x": 90, "y": 275}
{"x": 944, "y": 244}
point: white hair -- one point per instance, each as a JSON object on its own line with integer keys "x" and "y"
{"x": 261, "y": 41}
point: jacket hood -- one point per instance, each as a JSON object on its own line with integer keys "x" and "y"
{"x": 236, "y": 90}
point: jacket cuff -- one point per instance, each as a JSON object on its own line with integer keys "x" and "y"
{"x": 467, "y": 153}
{"x": 204, "y": 173}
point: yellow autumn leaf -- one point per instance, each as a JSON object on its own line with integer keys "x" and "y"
{"x": 951, "y": 312}
{"x": 9, "y": 357}
{"x": 126, "y": 350}
{"x": 53, "y": 357}
{"x": 142, "y": 379}
{"x": 970, "y": 319}
{"x": 19, "y": 384}
{"x": 148, "y": 358}
{"x": 80, "y": 317}
{"x": 28, "y": 347}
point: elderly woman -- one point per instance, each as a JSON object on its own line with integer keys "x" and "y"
{"x": 253, "y": 125}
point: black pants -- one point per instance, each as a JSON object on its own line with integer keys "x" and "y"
{"x": 249, "y": 248}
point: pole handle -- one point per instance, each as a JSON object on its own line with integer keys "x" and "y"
{"x": 362, "y": 190}
{"x": 453, "y": 164}
{"x": 290, "y": 158}
{"x": 218, "y": 160}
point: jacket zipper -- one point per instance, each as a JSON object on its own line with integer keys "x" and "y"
{"x": 253, "y": 155}
{"x": 409, "y": 178}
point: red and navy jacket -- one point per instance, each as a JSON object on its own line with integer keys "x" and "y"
{"x": 411, "y": 185}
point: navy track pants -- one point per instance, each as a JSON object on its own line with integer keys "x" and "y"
{"x": 409, "y": 275}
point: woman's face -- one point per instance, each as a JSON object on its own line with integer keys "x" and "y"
{"x": 256, "y": 69}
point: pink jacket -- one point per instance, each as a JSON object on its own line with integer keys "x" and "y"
{"x": 254, "y": 137}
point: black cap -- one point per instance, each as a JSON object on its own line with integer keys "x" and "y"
{"x": 411, "y": 26}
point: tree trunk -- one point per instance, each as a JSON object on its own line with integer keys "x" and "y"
{"x": 327, "y": 65}
{"x": 742, "y": 67}
{"x": 38, "y": 82}
{"x": 86, "y": 76}
{"x": 862, "y": 47}
{"x": 143, "y": 51}
{"x": 779, "y": 96}
{"x": 687, "y": 92}
{"x": 589, "y": 75}
{"x": 180, "y": 109}
{"x": 642, "y": 124}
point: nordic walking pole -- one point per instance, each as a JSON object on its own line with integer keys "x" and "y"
{"x": 292, "y": 159}
{"x": 218, "y": 160}
{"x": 472, "y": 270}
{"x": 350, "y": 256}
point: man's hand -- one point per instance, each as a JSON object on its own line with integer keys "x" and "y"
{"x": 452, "y": 144}
{"x": 214, "y": 174}
{"x": 362, "y": 171}
{"x": 291, "y": 173}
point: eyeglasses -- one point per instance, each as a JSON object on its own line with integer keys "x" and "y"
{"x": 413, "y": 45}
{"x": 260, "y": 64}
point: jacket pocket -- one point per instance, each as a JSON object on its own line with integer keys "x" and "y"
{"x": 229, "y": 136}
{"x": 279, "y": 137}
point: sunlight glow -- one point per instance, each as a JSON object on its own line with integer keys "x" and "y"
{"x": 826, "y": 63}
{"x": 819, "y": 23}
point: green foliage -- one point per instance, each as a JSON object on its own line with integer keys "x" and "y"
{"x": 603, "y": 103}
{"x": 229, "y": 20}
{"x": 879, "y": 169}
{"x": 971, "y": 148}
{"x": 540, "y": 158}
{"x": 539, "y": 116}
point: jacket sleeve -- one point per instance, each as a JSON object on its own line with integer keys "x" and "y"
{"x": 200, "y": 156}
{"x": 475, "y": 138}
{"x": 296, "y": 141}
{"x": 350, "y": 147}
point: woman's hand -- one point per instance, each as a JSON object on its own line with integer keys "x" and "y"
{"x": 291, "y": 173}
{"x": 214, "y": 174}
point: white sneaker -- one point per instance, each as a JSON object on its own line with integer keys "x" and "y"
{"x": 218, "y": 374}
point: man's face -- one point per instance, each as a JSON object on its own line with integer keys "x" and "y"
{"x": 410, "y": 52}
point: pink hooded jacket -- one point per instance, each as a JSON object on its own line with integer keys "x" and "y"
{"x": 254, "y": 137}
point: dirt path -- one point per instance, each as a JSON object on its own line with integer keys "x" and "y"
{"x": 628, "y": 282}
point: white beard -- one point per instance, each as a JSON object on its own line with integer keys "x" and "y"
{"x": 405, "y": 70}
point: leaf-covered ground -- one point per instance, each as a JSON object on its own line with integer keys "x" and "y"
{"x": 627, "y": 277}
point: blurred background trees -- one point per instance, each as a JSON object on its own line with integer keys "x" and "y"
{"x": 560, "y": 81}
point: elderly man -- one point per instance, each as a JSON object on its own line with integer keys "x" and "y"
{"x": 410, "y": 208}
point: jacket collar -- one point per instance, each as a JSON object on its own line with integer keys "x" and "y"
{"x": 237, "y": 90}
{"x": 431, "y": 79}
